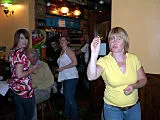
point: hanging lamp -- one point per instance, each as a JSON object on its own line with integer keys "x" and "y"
{"x": 6, "y": 3}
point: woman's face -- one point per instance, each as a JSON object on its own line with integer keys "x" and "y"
{"x": 23, "y": 42}
{"x": 63, "y": 42}
{"x": 116, "y": 44}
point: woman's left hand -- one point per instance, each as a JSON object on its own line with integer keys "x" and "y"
{"x": 128, "y": 90}
{"x": 8, "y": 81}
{"x": 60, "y": 69}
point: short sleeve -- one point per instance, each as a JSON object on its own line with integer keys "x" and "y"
{"x": 19, "y": 57}
{"x": 101, "y": 62}
{"x": 137, "y": 62}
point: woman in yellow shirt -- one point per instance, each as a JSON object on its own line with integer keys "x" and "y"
{"x": 122, "y": 73}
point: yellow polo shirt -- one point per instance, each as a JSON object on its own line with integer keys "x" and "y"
{"x": 116, "y": 81}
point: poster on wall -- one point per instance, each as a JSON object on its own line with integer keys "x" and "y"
{"x": 39, "y": 42}
{"x": 63, "y": 22}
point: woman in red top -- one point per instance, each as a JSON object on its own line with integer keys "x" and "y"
{"x": 21, "y": 83}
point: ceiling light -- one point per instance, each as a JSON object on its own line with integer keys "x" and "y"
{"x": 101, "y": 2}
{"x": 48, "y": 4}
{"x": 64, "y": 9}
{"x": 77, "y": 12}
{"x": 6, "y": 3}
{"x": 95, "y": 7}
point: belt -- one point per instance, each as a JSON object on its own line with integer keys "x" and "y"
{"x": 127, "y": 107}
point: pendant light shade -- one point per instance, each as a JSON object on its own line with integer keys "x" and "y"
{"x": 77, "y": 12}
{"x": 64, "y": 10}
{"x": 6, "y": 3}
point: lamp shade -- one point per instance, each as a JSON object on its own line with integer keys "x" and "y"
{"x": 6, "y": 3}
{"x": 64, "y": 9}
{"x": 77, "y": 12}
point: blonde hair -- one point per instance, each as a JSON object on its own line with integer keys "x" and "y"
{"x": 120, "y": 32}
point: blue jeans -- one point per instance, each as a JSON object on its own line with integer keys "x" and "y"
{"x": 114, "y": 113}
{"x": 70, "y": 106}
{"x": 25, "y": 107}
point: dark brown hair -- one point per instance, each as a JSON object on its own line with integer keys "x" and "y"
{"x": 67, "y": 38}
{"x": 17, "y": 36}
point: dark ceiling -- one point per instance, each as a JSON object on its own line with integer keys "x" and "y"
{"x": 106, "y": 2}
{"x": 95, "y": 5}
{"x": 90, "y": 4}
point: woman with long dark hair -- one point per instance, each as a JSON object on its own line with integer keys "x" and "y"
{"x": 21, "y": 82}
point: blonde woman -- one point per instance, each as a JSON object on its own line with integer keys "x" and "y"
{"x": 122, "y": 73}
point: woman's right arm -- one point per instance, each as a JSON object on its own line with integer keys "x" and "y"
{"x": 20, "y": 73}
{"x": 94, "y": 71}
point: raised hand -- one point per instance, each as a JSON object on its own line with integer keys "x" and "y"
{"x": 60, "y": 69}
{"x": 95, "y": 46}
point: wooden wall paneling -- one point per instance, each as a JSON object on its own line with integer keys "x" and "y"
{"x": 97, "y": 88}
{"x": 150, "y": 98}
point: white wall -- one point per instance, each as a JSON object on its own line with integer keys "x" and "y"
{"x": 141, "y": 19}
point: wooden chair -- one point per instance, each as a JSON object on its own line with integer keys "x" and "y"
{"x": 45, "y": 110}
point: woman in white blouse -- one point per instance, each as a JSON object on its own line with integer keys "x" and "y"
{"x": 69, "y": 75}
